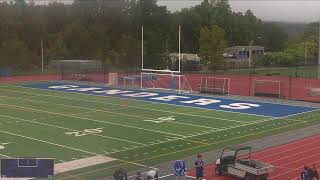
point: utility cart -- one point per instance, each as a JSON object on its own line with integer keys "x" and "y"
{"x": 235, "y": 161}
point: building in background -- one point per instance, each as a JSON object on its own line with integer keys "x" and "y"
{"x": 239, "y": 55}
{"x": 188, "y": 61}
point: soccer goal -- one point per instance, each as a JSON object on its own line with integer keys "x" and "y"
{"x": 215, "y": 85}
{"x": 267, "y": 88}
{"x": 165, "y": 81}
{"x": 129, "y": 81}
{"x": 113, "y": 79}
{"x": 79, "y": 70}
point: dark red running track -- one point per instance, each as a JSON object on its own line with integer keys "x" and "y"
{"x": 288, "y": 159}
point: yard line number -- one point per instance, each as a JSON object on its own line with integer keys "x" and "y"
{"x": 161, "y": 119}
{"x": 85, "y": 132}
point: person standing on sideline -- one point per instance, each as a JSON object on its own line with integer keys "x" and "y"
{"x": 139, "y": 176}
{"x": 305, "y": 173}
{"x": 313, "y": 173}
{"x": 152, "y": 174}
{"x": 180, "y": 169}
{"x": 120, "y": 174}
{"x": 198, "y": 164}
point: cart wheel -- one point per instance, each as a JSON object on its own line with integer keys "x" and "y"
{"x": 264, "y": 177}
{"x": 250, "y": 177}
{"x": 218, "y": 171}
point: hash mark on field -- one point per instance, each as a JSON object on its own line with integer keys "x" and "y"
{"x": 108, "y": 103}
{"x": 89, "y": 119}
{"x": 117, "y": 113}
{"x": 232, "y": 127}
{"x": 59, "y": 127}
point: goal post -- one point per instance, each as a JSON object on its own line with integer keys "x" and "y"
{"x": 267, "y": 88}
{"x": 79, "y": 70}
{"x": 165, "y": 81}
{"x": 167, "y": 64}
{"x": 215, "y": 85}
{"x": 113, "y": 79}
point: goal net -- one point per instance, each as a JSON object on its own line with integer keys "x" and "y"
{"x": 166, "y": 81}
{"x": 215, "y": 85}
{"x": 113, "y": 79}
{"x": 267, "y": 88}
{"x": 79, "y": 70}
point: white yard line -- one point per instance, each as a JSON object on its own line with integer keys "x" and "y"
{"x": 136, "y": 107}
{"x": 99, "y": 110}
{"x": 181, "y": 138}
{"x": 67, "y": 147}
{"x": 173, "y": 152}
{"x": 90, "y": 119}
{"x": 51, "y": 143}
{"x": 69, "y": 129}
{"x": 4, "y": 156}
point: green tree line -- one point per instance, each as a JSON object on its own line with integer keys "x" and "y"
{"x": 113, "y": 33}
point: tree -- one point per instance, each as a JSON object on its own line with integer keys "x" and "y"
{"x": 212, "y": 46}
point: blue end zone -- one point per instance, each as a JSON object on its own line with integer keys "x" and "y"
{"x": 203, "y": 102}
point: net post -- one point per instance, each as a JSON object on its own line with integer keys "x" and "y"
{"x": 179, "y": 48}
{"x": 229, "y": 86}
{"x": 142, "y": 36}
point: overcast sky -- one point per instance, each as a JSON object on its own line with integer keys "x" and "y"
{"x": 275, "y": 10}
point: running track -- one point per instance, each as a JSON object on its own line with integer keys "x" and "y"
{"x": 288, "y": 159}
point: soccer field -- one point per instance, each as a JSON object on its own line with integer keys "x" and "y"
{"x": 75, "y": 126}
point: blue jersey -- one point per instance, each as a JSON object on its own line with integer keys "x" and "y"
{"x": 180, "y": 168}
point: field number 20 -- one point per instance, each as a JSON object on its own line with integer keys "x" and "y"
{"x": 85, "y": 132}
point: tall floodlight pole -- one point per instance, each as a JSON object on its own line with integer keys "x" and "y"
{"x": 141, "y": 80}
{"x": 142, "y": 48}
{"x": 250, "y": 52}
{"x": 319, "y": 53}
{"x": 42, "y": 58}
{"x": 306, "y": 53}
{"x": 179, "y": 48}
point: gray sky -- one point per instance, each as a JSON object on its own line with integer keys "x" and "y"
{"x": 275, "y": 10}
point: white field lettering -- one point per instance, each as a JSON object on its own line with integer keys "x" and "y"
{"x": 85, "y": 132}
{"x": 183, "y": 100}
{"x": 162, "y": 119}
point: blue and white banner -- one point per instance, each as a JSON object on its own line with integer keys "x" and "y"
{"x": 188, "y": 100}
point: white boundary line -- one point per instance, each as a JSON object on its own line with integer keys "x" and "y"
{"x": 47, "y": 142}
{"x": 97, "y": 170}
{"x": 118, "y": 97}
{"x": 315, "y": 155}
{"x": 127, "y": 106}
{"x": 90, "y": 119}
{"x": 4, "y": 156}
{"x": 118, "y": 113}
{"x": 184, "y": 138}
{"x": 69, "y": 129}
{"x": 278, "y": 152}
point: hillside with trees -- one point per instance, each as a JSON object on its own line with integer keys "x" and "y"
{"x": 113, "y": 33}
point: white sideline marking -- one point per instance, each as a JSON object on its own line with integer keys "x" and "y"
{"x": 47, "y": 142}
{"x": 81, "y": 163}
{"x": 136, "y": 107}
{"x": 89, "y": 119}
{"x": 64, "y": 128}
{"x": 118, "y": 113}
{"x": 97, "y": 170}
{"x": 231, "y": 127}
{"x": 73, "y": 165}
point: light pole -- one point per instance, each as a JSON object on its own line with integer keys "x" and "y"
{"x": 250, "y": 50}
{"x": 319, "y": 53}
{"x": 306, "y": 53}
{"x": 42, "y": 68}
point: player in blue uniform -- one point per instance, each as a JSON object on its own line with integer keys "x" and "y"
{"x": 198, "y": 164}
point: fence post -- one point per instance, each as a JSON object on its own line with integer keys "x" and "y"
{"x": 290, "y": 85}
{"x": 250, "y": 83}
